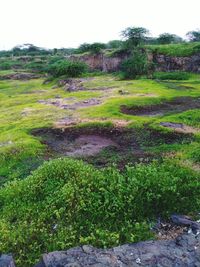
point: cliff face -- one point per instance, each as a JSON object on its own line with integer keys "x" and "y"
{"x": 100, "y": 62}
{"x": 162, "y": 62}
{"x": 169, "y": 63}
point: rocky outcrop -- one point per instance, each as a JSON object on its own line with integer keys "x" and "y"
{"x": 184, "y": 251}
{"x": 161, "y": 62}
{"x": 6, "y": 261}
{"x": 100, "y": 61}
{"x": 169, "y": 63}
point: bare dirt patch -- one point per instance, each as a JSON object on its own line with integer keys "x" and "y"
{"x": 105, "y": 145}
{"x": 88, "y": 145}
{"x": 69, "y": 103}
{"x": 174, "y": 106}
{"x": 72, "y": 121}
{"x": 180, "y": 127}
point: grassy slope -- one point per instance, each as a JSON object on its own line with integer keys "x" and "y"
{"x": 179, "y": 50}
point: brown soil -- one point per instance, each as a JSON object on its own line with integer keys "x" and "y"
{"x": 174, "y": 106}
{"x": 122, "y": 145}
{"x": 87, "y": 145}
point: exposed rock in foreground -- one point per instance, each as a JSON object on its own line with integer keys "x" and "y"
{"x": 184, "y": 251}
{"x": 6, "y": 261}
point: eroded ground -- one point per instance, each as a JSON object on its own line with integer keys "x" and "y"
{"x": 100, "y": 119}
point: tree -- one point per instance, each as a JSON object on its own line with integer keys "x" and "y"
{"x": 85, "y": 47}
{"x": 114, "y": 44}
{"x": 194, "y": 36}
{"x": 168, "y": 38}
{"x": 95, "y": 48}
{"x": 135, "y": 36}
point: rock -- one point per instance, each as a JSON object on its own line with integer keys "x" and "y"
{"x": 172, "y": 63}
{"x": 6, "y": 261}
{"x": 185, "y": 221}
{"x": 183, "y": 251}
{"x": 100, "y": 61}
{"x": 122, "y": 92}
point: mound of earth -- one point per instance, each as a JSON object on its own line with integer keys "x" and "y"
{"x": 176, "y": 105}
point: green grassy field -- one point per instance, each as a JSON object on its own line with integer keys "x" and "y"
{"x": 96, "y": 205}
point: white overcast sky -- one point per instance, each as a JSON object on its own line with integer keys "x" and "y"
{"x": 68, "y": 23}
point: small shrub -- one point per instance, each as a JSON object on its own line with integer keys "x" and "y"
{"x": 176, "y": 75}
{"x": 66, "y": 203}
{"x": 67, "y": 68}
{"x": 134, "y": 66}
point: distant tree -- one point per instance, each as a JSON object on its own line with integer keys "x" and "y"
{"x": 168, "y": 38}
{"x": 194, "y": 36}
{"x": 135, "y": 36}
{"x": 114, "y": 44}
{"x": 55, "y": 51}
{"x": 85, "y": 47}
{"x": 96, "y": 48}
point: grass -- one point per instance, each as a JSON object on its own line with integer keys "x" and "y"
{"x": 110, "y": 207}
{"x": 20, "y": 112}
{"x": 177, "y": 50}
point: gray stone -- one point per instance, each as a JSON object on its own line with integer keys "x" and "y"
{"x": 184, "y": 251}
{"x": 6, "y": 261}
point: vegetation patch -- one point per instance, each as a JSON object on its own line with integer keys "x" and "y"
{"x": 178, "y": 50}
{"x": 66, "y": 203}
{"x": 176, "y": 75}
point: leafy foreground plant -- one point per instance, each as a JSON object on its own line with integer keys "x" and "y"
{"x": 66, "y": 203}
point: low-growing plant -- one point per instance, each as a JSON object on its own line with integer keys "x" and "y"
{"x": 66, "y": 203}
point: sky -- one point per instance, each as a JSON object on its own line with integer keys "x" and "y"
{"x": 69, "y": 23}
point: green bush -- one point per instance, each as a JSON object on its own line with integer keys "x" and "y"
{"x": 66, "y": 203}
{"x": 194, "y": 153}
{"x": 36, "y": 66}
{"x": 67, "y": 68}
{"x": 176, "y": 75}
{"x": 134, "y": 66}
